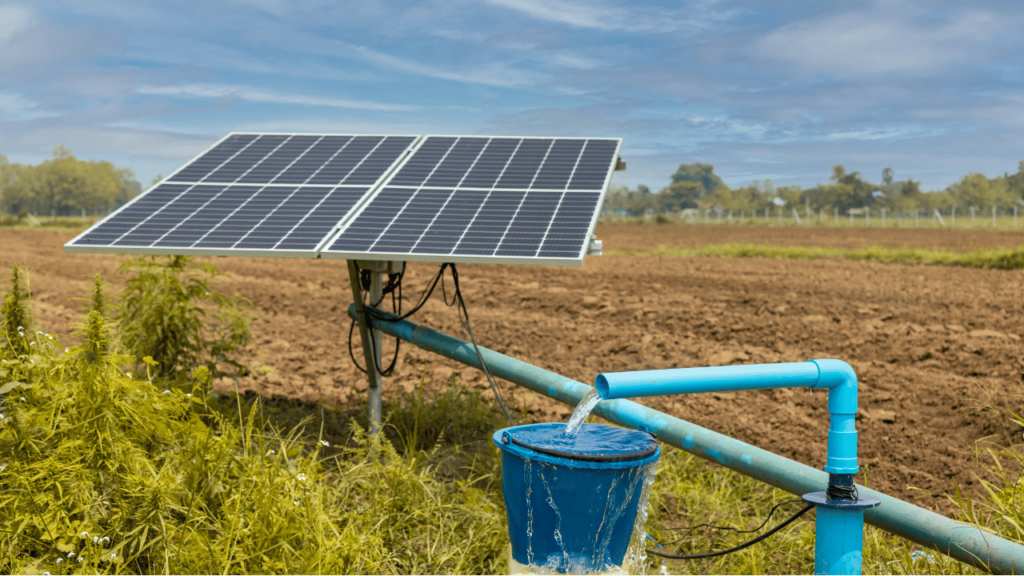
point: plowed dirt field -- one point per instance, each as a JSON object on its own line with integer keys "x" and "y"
{"x": 932, "y": 345}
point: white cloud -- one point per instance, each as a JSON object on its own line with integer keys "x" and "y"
{"x": 14, "y": 106}
{"x": 495, "y": 74}
{"x": 593, "y": 15}
{"x": 265, "y": 96}
{"x": 13, "y": 19}
{"x": 887, "y": 37}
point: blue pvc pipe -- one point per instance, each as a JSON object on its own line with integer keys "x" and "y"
{"x": 839, "y": 541}
{"x": 961, "y": 541}
{"x": 835, "y": 375}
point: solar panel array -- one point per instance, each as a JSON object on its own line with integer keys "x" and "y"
{"x": 455, "y": 198}
{"x": 262, "y": 194}
{"x": 472, "y": 198}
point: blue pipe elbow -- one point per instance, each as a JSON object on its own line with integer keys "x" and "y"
{"x": 841, "y": 381}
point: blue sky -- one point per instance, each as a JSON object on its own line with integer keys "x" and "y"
{"x": 762, "y": 90}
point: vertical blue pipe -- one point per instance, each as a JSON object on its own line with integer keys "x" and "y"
{"x": 838, "y": 541}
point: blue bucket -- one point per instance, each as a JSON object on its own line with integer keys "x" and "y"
{"x": 572, "y": 505}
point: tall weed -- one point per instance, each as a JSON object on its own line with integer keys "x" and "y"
{"x": 171, "y": 312}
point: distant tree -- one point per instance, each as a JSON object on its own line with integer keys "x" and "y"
{"x": 65, "y": 185}
{"x": 681, "y": 195}
{"x": 978, "y": 191}
{"x": 887, "y": 174}
{"x": 702, "y": 174}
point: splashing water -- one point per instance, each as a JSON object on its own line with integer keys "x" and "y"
{"x": 635, "y": 561}
{"x": 581, "y": 412}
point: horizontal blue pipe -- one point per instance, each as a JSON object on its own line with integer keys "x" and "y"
{"x": 714, "y": 379}
{"x": 956, "y": 539}
{"x": 835, "y": 375}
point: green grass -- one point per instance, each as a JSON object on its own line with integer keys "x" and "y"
{"x": 1003, "y": 223}
{"x": 997, "y": 258}
{"x": 60, "y": 224}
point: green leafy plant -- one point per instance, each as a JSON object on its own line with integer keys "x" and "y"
{"x": 15, "y": 317}
{"x": 171, "y": 312}
{"x": 104, "y": 471}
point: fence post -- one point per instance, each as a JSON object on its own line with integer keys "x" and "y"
{"x": 954, "y": 216}
{"x": 883, "y": 217}
{"x": 851, "y": 217}
{"x": 837, "y": 217}
{"x": 1014, "y": 217}
{"x": 993, "y": 217}
{"x": 917, "y": 214}
{"x": 867, "y": 216}
{"x": 972, "y": 216}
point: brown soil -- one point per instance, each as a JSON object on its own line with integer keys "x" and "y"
{"x": 931, "y": 345}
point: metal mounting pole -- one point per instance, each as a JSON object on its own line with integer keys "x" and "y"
{"x": 366, "y": 333}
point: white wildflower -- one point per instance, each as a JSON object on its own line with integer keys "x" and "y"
{"x": 325, "y": 442}
{"x": 112, "y": 556}
{"x": 71, "y": 554}
{"x": 188, "y": 395}
{"x": 296, "y": 502}
{"x": 95, "y": 539}
{"x": 46, "y": 574}
{"x": 83, "y": 535}
{"x": 81, "y": 558}
{"x": 65, "y": 350}
{"x": 22, "y": 398}
{"x": 59, "y": 560}
{"x": 167, "y": 391}
{"x": 128, "y": 374}
{"x": 32, "y": 343}
{"x": 105, "y": 539}
{"x": 271, "y": 452}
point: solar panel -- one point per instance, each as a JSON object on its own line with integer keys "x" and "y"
{"x": 485, "y": 199}
{"x": 251, "y": 194}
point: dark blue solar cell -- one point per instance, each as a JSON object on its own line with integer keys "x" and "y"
{"x": 451, "y": 223}
{"x": 379, "y": 161}
{"x": 246, "y": 159}
{"x": 410, "y": 224}
{"x": 342, "y": 164}
{"x": 523, "y": 167}
{"x": 530, "y": 224}
{"x": 426, "y": 158}
{"x": 211, "y": 160}
{"x": 457, "y": 163}
{"x": 491, "y": 163}
{"x": 378, "y": 214}
{"x": 594, "y": 165}
{"x": 275, "y": 163}
{"x": 559, "y": 164}
{"x": 310, "y": 163}
{"x": 165, "y": 219}
{"x": 490, "y": 223}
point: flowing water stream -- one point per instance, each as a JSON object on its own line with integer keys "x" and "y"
{"x": 581, "y": 412}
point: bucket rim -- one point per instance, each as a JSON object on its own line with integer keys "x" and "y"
{"x": 529, "y": 453}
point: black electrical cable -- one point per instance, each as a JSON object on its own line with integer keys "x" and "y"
{"x": 837, "y": 492}
{"x": 730, "y": 528}
{"x": 748, "y": 544}
{"x": 462, "y": 311}
{"x": 370, "y": 313}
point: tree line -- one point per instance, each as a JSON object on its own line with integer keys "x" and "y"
{"x": 64, "y": 186}
{"x": 697, "y": 186}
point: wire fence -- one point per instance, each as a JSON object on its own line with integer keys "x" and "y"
{"x": 970, "y": 219}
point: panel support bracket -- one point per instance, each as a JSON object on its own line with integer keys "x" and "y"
{"x": 373, "y": 368}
